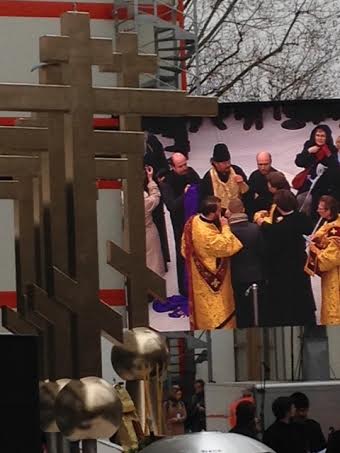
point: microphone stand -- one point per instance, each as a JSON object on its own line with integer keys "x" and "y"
{"x": 254, "y": 289}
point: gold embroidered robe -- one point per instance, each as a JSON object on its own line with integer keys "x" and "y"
{"x": 268, "y": 216}
{"x": 210, "y": 309}
{"x": 328, "y": 264}
{"x": 130, "y": 430}
{"x": 229, "y": 190}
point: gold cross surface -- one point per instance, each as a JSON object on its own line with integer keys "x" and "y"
{"x": 56, "y": 354}
{"x": 18, "y": 325}
{"x": 111, "y": 325}
{"x": 131, "y": 63}
{"x": 68, "y": 174}
{"x": 151, "y": 102}
{"x": 40, "y": 98}
{"x": 57, "y": 359}
{"x": 34, "y": 98}
{"x": 25, "y": 320}
{"x": 108, "y": 168}
{"x": 22, "y": 191}
{"x": 33, "y": 140}
{"x": 127, "y": 62}
{"x": 61, "y": 358}
{"x": 56, "y": 49}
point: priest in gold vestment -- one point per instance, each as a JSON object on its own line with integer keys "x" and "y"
{"x": 207, "y": 242}
{"x": 324, "y": 260}
{"x": 224, "y": 180}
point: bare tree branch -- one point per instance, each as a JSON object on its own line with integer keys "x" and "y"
{"x": 260, "y": 60}
{"x": 265, "y": 49}
{"x": 219, "y": 64}
{"x": 213, "y": 31}
{"x": 209, "y": 18}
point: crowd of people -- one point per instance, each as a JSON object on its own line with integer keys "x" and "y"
{"x": 291, "y": 432}
{"x": 237, "y": 238}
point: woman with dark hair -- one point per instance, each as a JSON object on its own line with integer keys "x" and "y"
{"x": 276, "y": 180}
{"x": 290, "y": 296}
{"x": 154, "y": 154}
{"x": 319, "y": 149}
{"x": 324, "y": 259}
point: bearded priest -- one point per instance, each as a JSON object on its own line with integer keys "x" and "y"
{"x": 207, "y": 244}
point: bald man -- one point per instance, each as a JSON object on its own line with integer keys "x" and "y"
{"x": 259, "y": 198}
{"x": 173, "y": 190}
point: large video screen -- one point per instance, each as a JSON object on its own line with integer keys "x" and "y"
{"x": 253, "y": 226}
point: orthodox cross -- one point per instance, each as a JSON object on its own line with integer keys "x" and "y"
{"x": 70, "y": 105}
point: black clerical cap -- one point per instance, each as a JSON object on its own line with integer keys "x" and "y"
{"x": 221, "y": 153}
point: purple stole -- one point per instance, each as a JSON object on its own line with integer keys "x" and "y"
{"x": 191, "y": 206}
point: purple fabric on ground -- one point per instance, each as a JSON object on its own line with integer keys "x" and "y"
{"x": 179, "y": 312}
{"x": 170, "y": 303}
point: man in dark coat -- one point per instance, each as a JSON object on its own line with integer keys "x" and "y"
{"x": 290, "y": 295}
{"x": 247, "y": 265}
{"x": 173, "y": 190}
{"x": 311, "y": 429}
{"x": 223, "y": 180}
{"x": 259, "y": 197}
{"x": 283, "y": 436}
{"x": 197, "y": 420}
